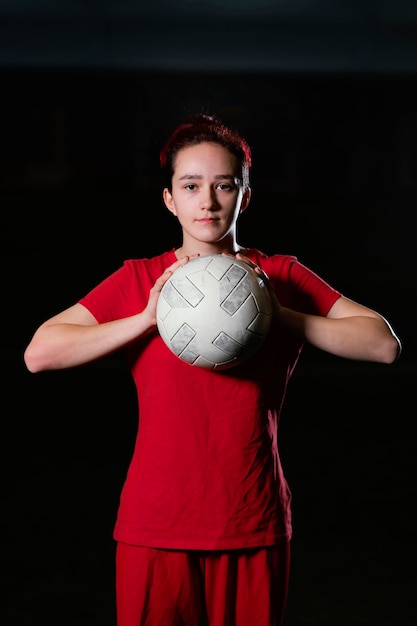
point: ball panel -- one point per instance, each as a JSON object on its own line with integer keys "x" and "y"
{"x": 181, "y": 292}
{"x": 181, "y": 338}
{"x": 260, "y": 324}
{"x": 233, "y": 288}
{"x": 236, "y": 297}
{"x": 190, "y": 354}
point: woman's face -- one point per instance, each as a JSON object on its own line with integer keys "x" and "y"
{"x": 207, "y": 195}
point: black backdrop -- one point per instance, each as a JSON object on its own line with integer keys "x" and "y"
{"x": 334, "y": 182}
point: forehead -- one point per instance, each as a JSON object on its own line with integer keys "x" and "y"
{"x": 205, "y": 157}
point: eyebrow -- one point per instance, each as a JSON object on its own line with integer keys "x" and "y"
{"x": 199, "y": 177}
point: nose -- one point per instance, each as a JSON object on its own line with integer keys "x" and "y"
{"x": 208, "y": 200}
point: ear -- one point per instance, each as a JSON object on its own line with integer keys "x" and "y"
{"x": 245, "y": 199}
{"x": 169, "y": 201}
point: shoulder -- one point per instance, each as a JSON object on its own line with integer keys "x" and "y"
{"x": 154, "y": 266}
{"x": 125, "y": 291}
{"x": 296, "y": 284}
{"x": 275, "y": 264}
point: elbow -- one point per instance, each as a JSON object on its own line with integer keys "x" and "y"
{"x": 33, "y": 361}
{"x": 391, "y": 350}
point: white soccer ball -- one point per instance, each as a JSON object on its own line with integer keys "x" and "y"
{"x": 214, "y": 312}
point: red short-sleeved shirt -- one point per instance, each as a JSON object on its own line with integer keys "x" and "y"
{"x": 205, "y": 472}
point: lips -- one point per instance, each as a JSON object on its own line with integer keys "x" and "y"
{"x": 207, "y": 220}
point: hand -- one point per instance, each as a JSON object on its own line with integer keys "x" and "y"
{"x": 276, "y": 306}
{"x": 150, "y": 309}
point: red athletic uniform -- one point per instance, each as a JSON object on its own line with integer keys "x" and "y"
{"x": 205, "y": 473}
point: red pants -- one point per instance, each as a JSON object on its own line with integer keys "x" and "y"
{"x": 175, "y": 588}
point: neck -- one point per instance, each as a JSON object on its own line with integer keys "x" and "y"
{"x": 191, "y": 246}
{"x": 204, "y": 249}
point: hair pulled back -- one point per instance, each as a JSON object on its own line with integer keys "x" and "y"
{"x": 205, "y": 128}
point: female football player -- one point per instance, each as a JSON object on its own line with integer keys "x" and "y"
{"x": 203, "y": 527}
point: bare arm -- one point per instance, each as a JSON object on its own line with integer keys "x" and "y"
{"x": 350, "y": 330}
{"x": 73, "y": 337}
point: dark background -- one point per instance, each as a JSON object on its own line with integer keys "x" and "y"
{"x": 326, "y": 95}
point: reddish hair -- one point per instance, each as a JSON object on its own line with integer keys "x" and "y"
{"x": 199, "y": 129}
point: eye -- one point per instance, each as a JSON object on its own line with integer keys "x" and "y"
{"x": 190, "y": 186}
{"x": 225, "y": 186}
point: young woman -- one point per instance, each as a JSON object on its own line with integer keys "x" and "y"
{"x": 203, "y": 528}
